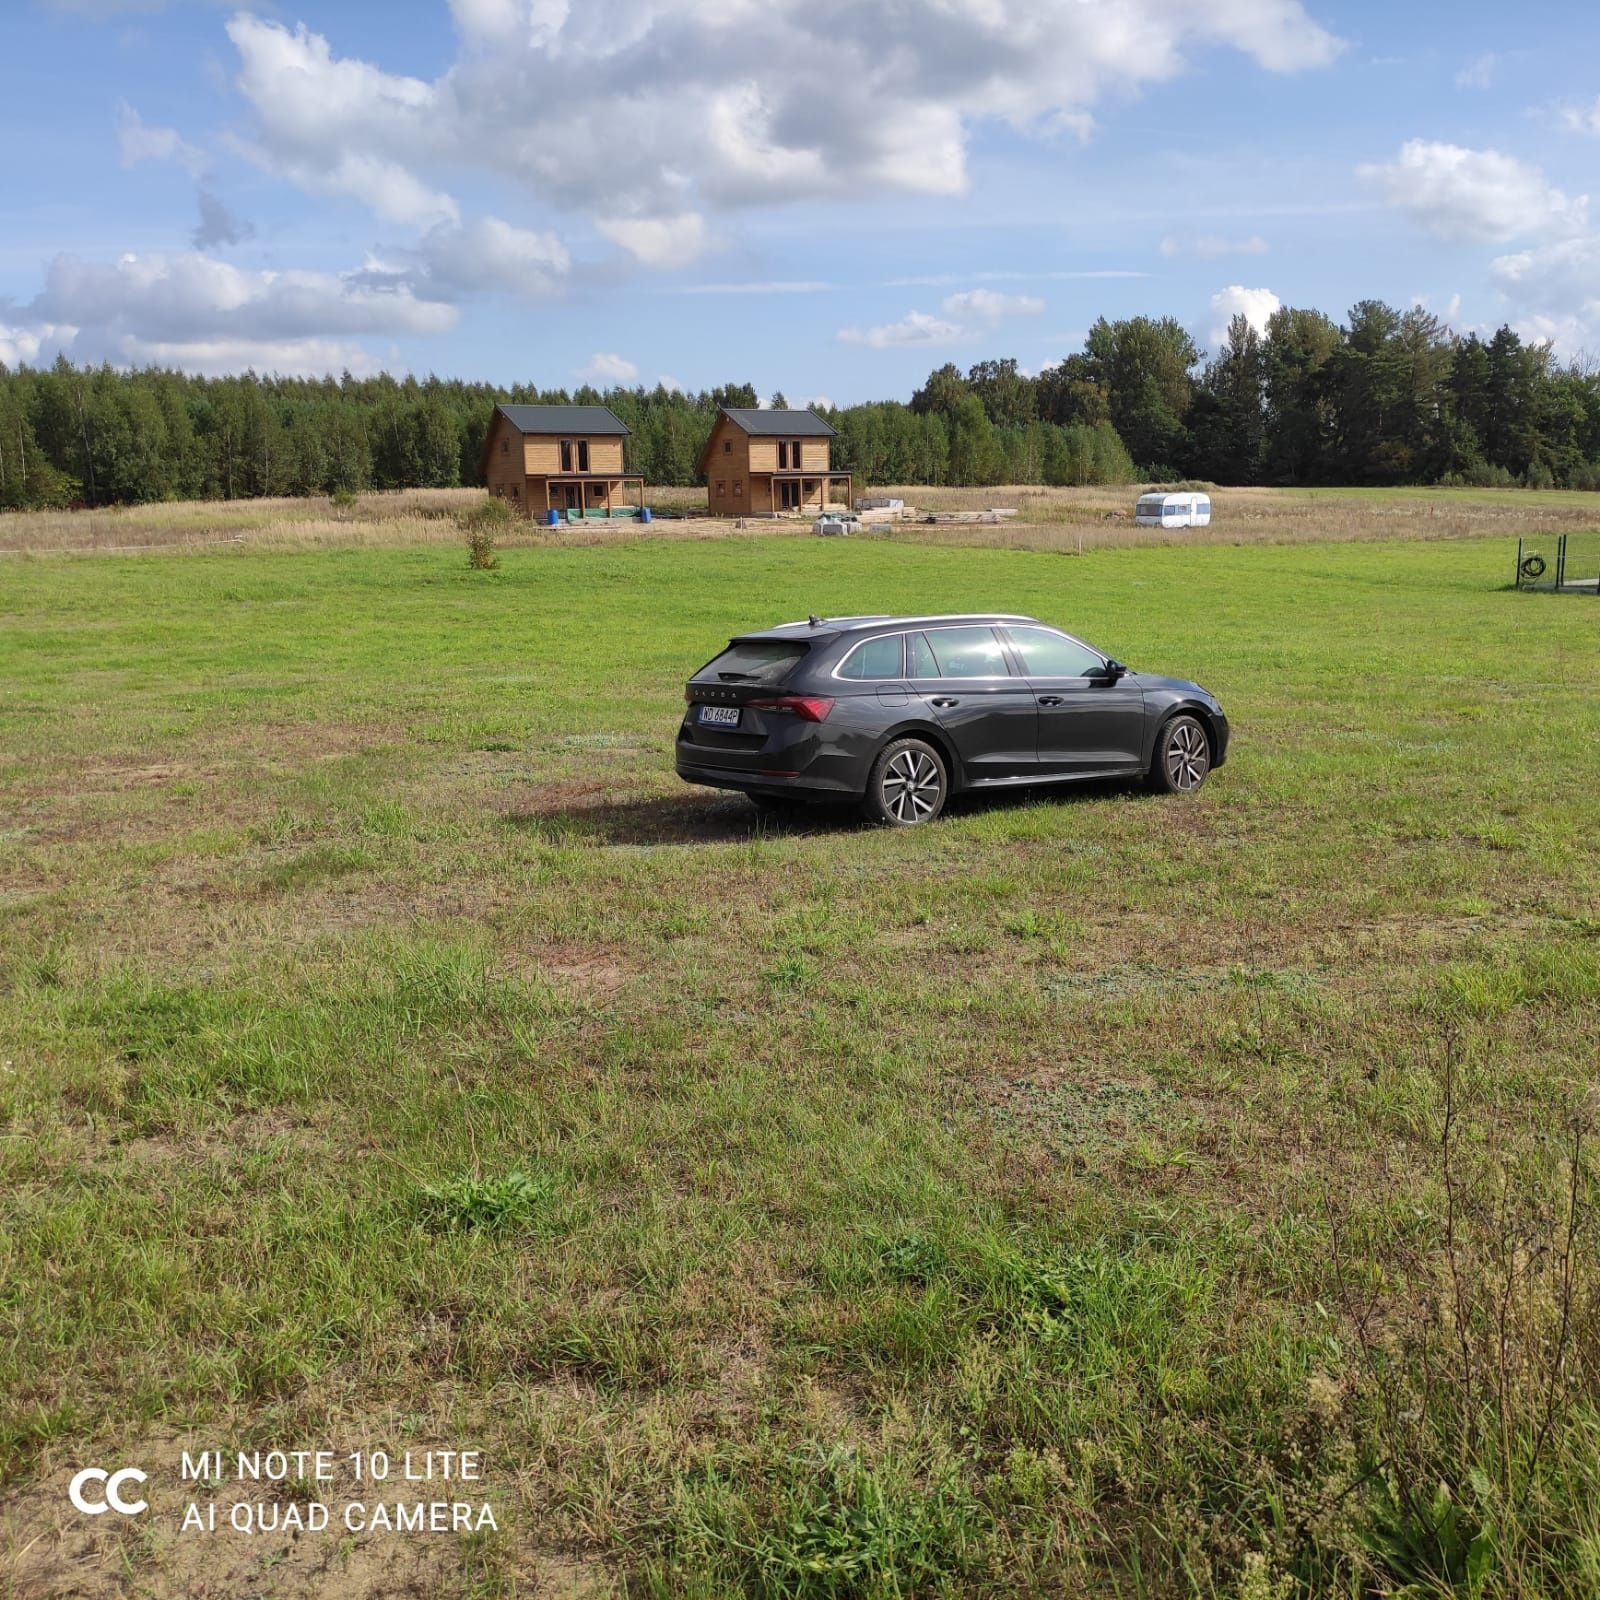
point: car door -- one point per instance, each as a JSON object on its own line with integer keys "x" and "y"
{"x": 1088, "y": 722}
{"x": 965, "y": 677}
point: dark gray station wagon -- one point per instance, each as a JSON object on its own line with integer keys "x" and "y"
{"x": 899, "y": 713}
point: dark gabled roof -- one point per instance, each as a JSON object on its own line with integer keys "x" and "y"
{"x": 762, "y": 423}
{"x": 564, "y": 419}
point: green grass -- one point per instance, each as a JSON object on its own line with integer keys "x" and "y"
{"x": 1092, "y": 1194}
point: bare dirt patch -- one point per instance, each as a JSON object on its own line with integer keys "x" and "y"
{"x": 588, "y": 972}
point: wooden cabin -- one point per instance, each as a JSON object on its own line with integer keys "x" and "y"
{"x": 561, "y": 458}
{"x": 759, "y": 463}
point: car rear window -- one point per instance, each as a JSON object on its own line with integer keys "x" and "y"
{"x": 753, "y": 661}
{"x": 877, "y": 658}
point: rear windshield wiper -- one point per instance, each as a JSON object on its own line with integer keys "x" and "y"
{"x": 731, "y": 677}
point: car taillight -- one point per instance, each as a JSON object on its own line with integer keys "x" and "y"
{"x": 808, "y": 707}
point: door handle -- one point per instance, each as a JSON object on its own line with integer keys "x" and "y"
{"x": 943, "y": 702}
{"x": 1052, "y": 700}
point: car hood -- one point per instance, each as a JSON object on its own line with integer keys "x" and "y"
{"x": 1153, "y": 680}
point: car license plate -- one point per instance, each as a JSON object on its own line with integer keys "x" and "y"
{"x": 719, "y": 716}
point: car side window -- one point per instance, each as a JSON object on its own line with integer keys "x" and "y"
{"x": 969, "y": 653}
{"x": 877, "y": 658}
{"x": 1049, "y": 655}
{"x": 919, "y": 657}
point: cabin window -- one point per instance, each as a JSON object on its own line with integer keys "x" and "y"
{"x": 722, "y": 488}
{"x": 516, "y": 494}
{"x": 738, "y": 487}
{"x": 505, "y": 447}
{"x": 727, "y": 447}
{"x": 783, "y": 454}
{"x": 566, "y": 455}
{"x": 583, "y": 455}
{"x": 794, "y": 454}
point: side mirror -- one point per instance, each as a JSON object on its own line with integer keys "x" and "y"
{"x": 1112, "y": 670}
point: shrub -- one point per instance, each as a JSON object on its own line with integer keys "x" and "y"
{"x": 482, "y": 523}
{"x": 343, "y": 499}
{"x": 480, "y": 550}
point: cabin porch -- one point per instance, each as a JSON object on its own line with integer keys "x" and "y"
{"x": 587, "y": 494}
{"x": 806, "y": 491}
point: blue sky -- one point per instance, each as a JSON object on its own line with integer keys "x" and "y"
{"x": 827, "y": 197}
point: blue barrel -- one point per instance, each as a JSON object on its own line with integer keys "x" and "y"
{"x": 554, "y": 517}
{"x": 644, "y": 514}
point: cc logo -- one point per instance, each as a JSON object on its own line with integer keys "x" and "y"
{"x": 113, "y": 1500}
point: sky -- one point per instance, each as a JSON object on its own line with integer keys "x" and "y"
{"x": 824, "y": 198}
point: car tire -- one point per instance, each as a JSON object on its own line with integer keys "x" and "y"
{"x": 908, "y": 786}
{"x": 1182, "y": 759}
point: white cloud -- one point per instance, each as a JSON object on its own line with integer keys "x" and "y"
{"x": 24, "y": 345}
{"x": 1582, "y": 119}
{"x": 1554, "y": 274}
{"x": 605, "y": 367}
{"x": 138, "y": 141}
{"x": 658, "y": 241}
{"x": 1256, "y": 306}
{"x": 310, "y": 358}
{"x": 1212, "y": 247}
{"x": 1479, "y": 73}
{"x": 915, "y": 328}
{"x": 490, "y": 254}
{"x": 1449, "y": 311}
{"x": 649, "y": 117}
{"x": 338, "y": 127}
{"x": 1475, "y": 195}
{"x": 1555, "y": 289}
{"x": 988, "y": 305}
{"x": 669, "y": 383}
{"x": 202, "y": 314}
{"x": 388, "y": 189}
{"x": 967, "y": 315}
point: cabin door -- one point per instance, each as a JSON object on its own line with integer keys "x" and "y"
{"x": 789, "y": 496}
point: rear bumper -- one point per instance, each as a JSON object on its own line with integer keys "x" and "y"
{"x": 785, "y": 756}
{"x": 757, "y": 781}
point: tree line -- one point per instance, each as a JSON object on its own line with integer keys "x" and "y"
{"x": 1388, "y": 397}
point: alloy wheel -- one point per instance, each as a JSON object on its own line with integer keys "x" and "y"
{"x": 1188, "y": 757}
{"x": 911, "y": 786}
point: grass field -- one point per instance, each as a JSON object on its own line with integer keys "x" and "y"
{"x": 1090, "y": 1195}
{"x": 1065, "y": 520}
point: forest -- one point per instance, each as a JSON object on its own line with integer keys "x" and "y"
{"x": 1386, "y": 397}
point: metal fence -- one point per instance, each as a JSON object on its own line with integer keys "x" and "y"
{"x": 1572, "y": 567}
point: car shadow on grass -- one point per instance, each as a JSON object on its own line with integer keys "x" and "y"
{"x": 688, "y": 819}
{"x": 698, "y": 818}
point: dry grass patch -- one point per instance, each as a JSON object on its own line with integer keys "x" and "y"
{"x": 1069, "y": 520}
